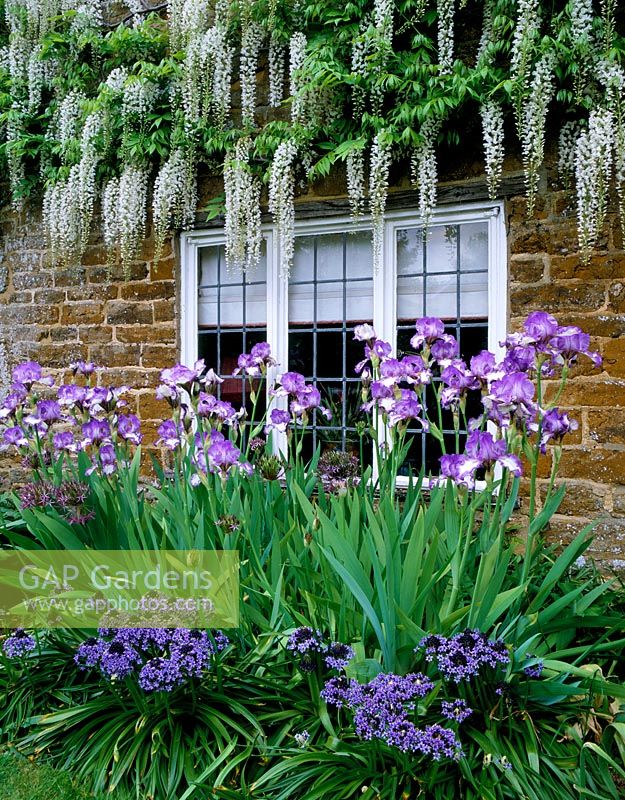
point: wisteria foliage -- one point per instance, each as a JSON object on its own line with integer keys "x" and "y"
{"x": 354, "y": 72}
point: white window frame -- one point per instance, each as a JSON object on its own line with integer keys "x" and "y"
{"x": 384, "y": 282}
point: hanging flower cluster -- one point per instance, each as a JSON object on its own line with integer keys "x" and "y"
{"x": 493, "y": 133}
{"x": 201, "y": 39}
{"x": 281, "y": 199}
{"x": 593, "y": 168}
{"x": 424, "y": 171}
{"x": 533, "y": 130}
{"x": 68, "y": 206}
{"x": 297, "y": 54}
{"x": 378, "y": 189}
{"x": 243, "y": 218}
{"x": 124, "y": 209}
{"x": 175, "y": 193}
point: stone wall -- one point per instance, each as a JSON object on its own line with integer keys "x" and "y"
{"x": 133, "y": 327}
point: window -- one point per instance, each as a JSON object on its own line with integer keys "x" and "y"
{"x": 457, "y": 274}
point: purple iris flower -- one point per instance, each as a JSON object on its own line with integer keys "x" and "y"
{"x": 483, "y": 365}
{"x": 513, "y": 388}
{"x": 27, "y": 373}
{"x": 249, "y": 365}
{"x": 460, "y": 469}
{"x": 15, "y": 436}
{"x": 64, "y": 441}
{"x": 429, "y": 329}
{"x": 179, "y": 375}
{"x": 445, "y": 348}
{"x": 392, "y": 371}
{"x": 96, "y": 431}
{"x": 278, "y": 420}
{"x": 85, "y": 367}
{"x": 406, "y": 408}
{"x": 416, "y": 370}
{"x": 108, "y": 459}
{"x": 457, "y": 376}
{"x": 11, "y": 402}
{"x": 540, "y": 326}
{"x": 129, "y": 428}
{"x": 71, "y": 394}
{"x": 48, "y": 410}
{"x": 223, "y": 455}
{"x": 555, "y": 425}
{"x": 482, "y": 447}
{"x": 364, "y": 333}
{"x": 519, "y": 358}
{"x": 169, "y": 435}
{"x": 571, "y": 341}
{"x": 262, "y": 353}
{"x": 291, "y": 383}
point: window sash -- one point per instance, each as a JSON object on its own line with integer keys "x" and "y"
{"x": 385, "y": 317}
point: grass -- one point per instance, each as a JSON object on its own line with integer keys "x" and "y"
{"x": 22, "y": 779}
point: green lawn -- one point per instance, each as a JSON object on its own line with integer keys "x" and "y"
{"x": 20, "y": 779}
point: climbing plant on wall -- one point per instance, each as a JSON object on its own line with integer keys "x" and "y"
{"x": 122, "y": 104}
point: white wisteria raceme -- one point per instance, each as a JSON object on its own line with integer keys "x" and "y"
{"x": 243, "y": 218}
{"x": 567, "y": 142}
{"x": 220, "y": 57}
{"x": 534, "y": 122}
{"x": 138, "y": 98}
{"x": 494, "y": 152}
{"x": 68, "y": 205}
{"x": 251, "y": 43}
{"x": 486, "y": 37}
{"x": 445, "y": 10}
{"x": 297, "y": 55}
{"x": 378, "y": 190}
{"x": 581, "y": 19}
{"x": 424, "y": 169}
{"x": 110, "y": 224}
{"x": 277, "y": 63}
{"x": 187, "y": 19}
{"x": 525, "y": 33}
{"x": 593, "y": 170}
{"x": 68, "y": 116}
{"x": 116, "y": 79}
{"x": 281, "y": 201}
{"x": 355, "y": 166}
{"x": 175, "y": 195}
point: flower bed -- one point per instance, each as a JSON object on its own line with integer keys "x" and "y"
{"x": 385, "y": 648}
